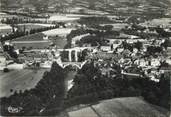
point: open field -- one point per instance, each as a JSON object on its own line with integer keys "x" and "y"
{"x": 29, "y": 26}
{"x": 5, "y": 26}
{"x": 38, "y": 37}
{"x": 58, "y": 31}
{"x": 5, "y": 15}
{"x": 62, "y": 18}
{"x": 4, "y": 29}
{"x": 19, "y": 80}
{"x": 157, "y": 22}
{"x": 120, "y": 107}
{"x": 31, "y": 37}
{"x": 117, "y": 26}
{"x": 59, "y": 42}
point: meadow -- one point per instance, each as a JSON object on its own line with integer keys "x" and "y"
{"x": 19, "y": 80}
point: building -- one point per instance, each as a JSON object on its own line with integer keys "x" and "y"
{"x": 105, "y": 48}
{"x": 141, "y": 62}
{"x": 155, "y": 62}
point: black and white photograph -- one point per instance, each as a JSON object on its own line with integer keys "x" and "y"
{"x": 85, "y": 58}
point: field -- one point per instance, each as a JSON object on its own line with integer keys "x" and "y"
{"x": 157, "y": 22}
{"x": 59, "y": 42}
{"x": 117, "y": 26}
{"x": 62, "y": 18}
{"x": 19, "y": 80}
{"x": 120, "y": 107}
{"x": 29, "y": 26}
{"x": 4, "y": 29}
{"x": 58, "y": 31}
{"x": 32, "y": 44}
{"x": 4, "y": 15}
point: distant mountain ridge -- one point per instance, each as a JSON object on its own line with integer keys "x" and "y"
{"x": 114, "y": 3}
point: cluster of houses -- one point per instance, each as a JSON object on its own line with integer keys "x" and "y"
{"x": 39, "y": 50}
{"x": 105, "y": 57}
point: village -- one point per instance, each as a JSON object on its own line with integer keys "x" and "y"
{"x": 128, "y": 51}
{"x": 56, "y": 58}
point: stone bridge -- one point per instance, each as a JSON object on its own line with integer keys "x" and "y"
{"x": 77, "y": 64}
{"x": 75, "y": 50}
{"x": 73, "y": 61}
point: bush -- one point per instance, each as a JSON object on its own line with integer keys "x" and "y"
{"x": 6, "y": 70}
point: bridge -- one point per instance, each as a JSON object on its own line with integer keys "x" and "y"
{"x": 73, "y": 57}
{"x": 75, "y": 51}
{"x": 77, "y": 64}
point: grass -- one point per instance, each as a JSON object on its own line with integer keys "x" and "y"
{"x": 120, "y": 107}
{"x": 157, "y": 22}
{"x": 127, "y": 107}
{"x": 62, "y": 18}
{"x": 59, "y": 42}
{"x": 19, "y": 80}
{"x": 31, "y": 37}
{"x": 4, "y": 29}
{"x": 29, "y": 26}
{"x": 58, "y": 31}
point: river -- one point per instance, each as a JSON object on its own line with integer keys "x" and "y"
{"x": 68, "y": 80}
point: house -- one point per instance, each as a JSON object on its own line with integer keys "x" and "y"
{"x": 155, "y": 62}
{"x": 168, "y": 61}
{"x": 141, "y": 62}
{"x": 119, "y": 49}
{"x": 105, "y": 48}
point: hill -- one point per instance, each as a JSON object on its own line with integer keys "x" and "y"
{"x": 119, "y": 107}
{"x": 114, "y": 3}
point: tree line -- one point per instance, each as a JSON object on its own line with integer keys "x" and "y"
{"x": 97, "y": 35}
{"x": 16, "y": 20}
{"x": 17, "y": 33}
{"x": 91, "y": 86}
{"x": 32, "y": 15}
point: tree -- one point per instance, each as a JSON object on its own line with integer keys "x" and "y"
{"x": 108, "y": 27}
{"x": 166, "y": 43}
{"x": 138, "y": 45}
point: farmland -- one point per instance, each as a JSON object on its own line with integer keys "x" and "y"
{"x": 4, "y": 29}
{"x": 19, "y": 80}
{"x": 58, "y": 31}
{"x": 156, "y": 22}
{"x": 119, "y": 107}
{"x": 59, "y": 42}
{"x": 29, "y": 26}
{"x": 57, "y": 17}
